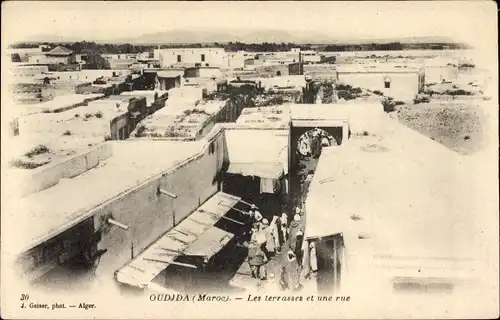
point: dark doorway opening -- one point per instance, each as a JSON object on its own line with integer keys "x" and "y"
{"x": 245, "y": 187}
{"x": 329, "y": 255}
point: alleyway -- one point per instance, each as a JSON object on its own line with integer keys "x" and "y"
{"x": 298, "y": 192}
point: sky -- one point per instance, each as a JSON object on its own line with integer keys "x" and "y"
{"x": 468, "y": 21}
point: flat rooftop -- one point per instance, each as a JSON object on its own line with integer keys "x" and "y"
{"x": 284, "y": 81}
{"x": 88, "y": 75}
{"x": 148, "y": 94}
{"x": 400, "y": 200}
{"x": 132, "y": 163}
{"x": 178, "y": 119}
{"x": 357, "y": 113}
{"x": 265, "y": 115}
{"x": 91, "y": 120}
{"x": 382, "y": 67}
{"x": 61, "y": 101}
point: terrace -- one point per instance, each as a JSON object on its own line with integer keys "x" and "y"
{"x": 50, "y": 137}
{"x": 264, "y": 116}
{"x": 58, "y": 104}
{"x": 180, "y": 120}
{"x": 397, "y": 231}
{"x": 129, "y": 164}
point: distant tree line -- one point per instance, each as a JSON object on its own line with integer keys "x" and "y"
{"x": 394, "y": 46}
{"x": 262, "y": 47}
{"x": 133, "y": 48}
{"x": 108, "y": 48}
{"x": 84, "y": 46}
{"x": 94, "y": 60}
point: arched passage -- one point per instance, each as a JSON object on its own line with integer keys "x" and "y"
{"x": 310, "y": 142}
{"x": 333, "y": 134}
{"x": 305, "y": 148}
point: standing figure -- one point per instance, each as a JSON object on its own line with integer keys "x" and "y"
{"x": 260, "y": 236}
{"x": 298, "y": 211}
{"x": 317, "y": 143}
{"x": 295, "y": 227}
{"x": 303, "y": 148}
{"x": 313, "y": 262}
{"x": 309, "y": 142}
{"x": 298, "y": 247}
{"x": 256, "y": 214}
{"x": 325, "y": 142}
{"x": 283, "y": 228}
{"x": 313, "y": 143}
{"x": 267, "y": 229}
{"x": 257, "y": 259}
{"x": 290, "y": 275}
{"x": 275, "y": 233}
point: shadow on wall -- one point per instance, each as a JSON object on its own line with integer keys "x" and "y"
{"x": 192, "y": 182}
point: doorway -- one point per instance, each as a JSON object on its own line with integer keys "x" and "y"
{"x": 329, "y": 257}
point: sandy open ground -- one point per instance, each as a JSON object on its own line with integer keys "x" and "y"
{"x": 459, "y": 125}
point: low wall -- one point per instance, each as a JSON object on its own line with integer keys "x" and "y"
{"x": 273, "y": 70}
{"x": 207, "y": 126}
{"x": 404, "y": 86}
{"x": 83, "y": 88}
{"x": 119, "y": 127}
{"x": 85, "y": 102}
{"x": 150, "y": 215}
{"x": 157, "y": 105}
{"x": 235, "y": 107}
{"x": 49, "y": 175}
{"x": 228, "y": 113}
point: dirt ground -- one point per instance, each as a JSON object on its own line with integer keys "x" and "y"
{"x": 457, "y": 125}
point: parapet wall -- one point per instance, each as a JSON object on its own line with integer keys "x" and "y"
{"x": 49, "y": 175}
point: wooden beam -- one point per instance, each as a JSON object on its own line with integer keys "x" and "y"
{"x": 223, "y": 217}
{"x": 249, "y": 204}
{"x": 171, "y": 195}
{"x": 173, "y": 262}
{"x": 228, "y": 206}
{"x": 235, "y": 221}
{"x": 118, "y": 224}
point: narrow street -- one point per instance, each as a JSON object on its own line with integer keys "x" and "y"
{"x": 298, "y": 192}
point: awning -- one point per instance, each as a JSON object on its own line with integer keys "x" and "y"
{"x": 194, "y": 235}
{"x": 264, "y": 153}
{"x": 209, "y": 243}
{"x": 262, "y": 170}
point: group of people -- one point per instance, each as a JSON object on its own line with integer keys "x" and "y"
{"x": 279, "y": 238}
{"x": 261, "y": 244}
{"x": 313, "y": 141}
